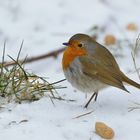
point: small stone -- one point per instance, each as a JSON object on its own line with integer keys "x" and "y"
{"x": 110, "y": 39}
{"x": 132, "y": 27}
{"x": 104, "y": 131}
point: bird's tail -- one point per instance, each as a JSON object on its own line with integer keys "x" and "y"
{"x": 130, "y": 82}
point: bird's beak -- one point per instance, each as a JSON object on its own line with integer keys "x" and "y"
{"x": 66, "y": 44}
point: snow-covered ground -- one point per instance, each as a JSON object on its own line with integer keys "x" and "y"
{"x": 44, "y": 25}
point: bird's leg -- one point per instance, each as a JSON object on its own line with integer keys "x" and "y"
{"x": 95, "y": 94}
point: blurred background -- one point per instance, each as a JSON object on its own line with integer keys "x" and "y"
{"x": 45, "y": 24}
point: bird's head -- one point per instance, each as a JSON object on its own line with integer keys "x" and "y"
{"x": 76, "y": 46}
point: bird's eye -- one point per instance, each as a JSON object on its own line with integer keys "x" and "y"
{"x": 80, "y": 45}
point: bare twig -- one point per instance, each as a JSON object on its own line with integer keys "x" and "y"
{"x": 63, "y": 99}
{"x": 131, "y": 72}
{"x": 133, "y": 54}
{"x": 136, "y": 106}
{"x": 81, "y": 115}
{"x": 36, "y": 58}
{"x": 133, "y": 108}
{"x": 57, "y": 82}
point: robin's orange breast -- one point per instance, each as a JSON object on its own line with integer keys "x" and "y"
{"x": 70, "y": 53}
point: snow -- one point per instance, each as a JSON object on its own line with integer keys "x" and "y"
{"x": 44, "y": 25}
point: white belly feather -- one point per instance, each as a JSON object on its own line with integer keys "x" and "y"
{"x": 81, "y": 81}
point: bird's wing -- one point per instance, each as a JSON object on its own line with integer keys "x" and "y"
{"x": 101, "y": 53}
{"x": 103, "y": 67}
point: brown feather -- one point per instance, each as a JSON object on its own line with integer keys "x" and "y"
{"x": 129, "y": 81}
{"x": 102, "y": 73}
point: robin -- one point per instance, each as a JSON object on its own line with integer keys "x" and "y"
{"x": 89, "y": 66}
